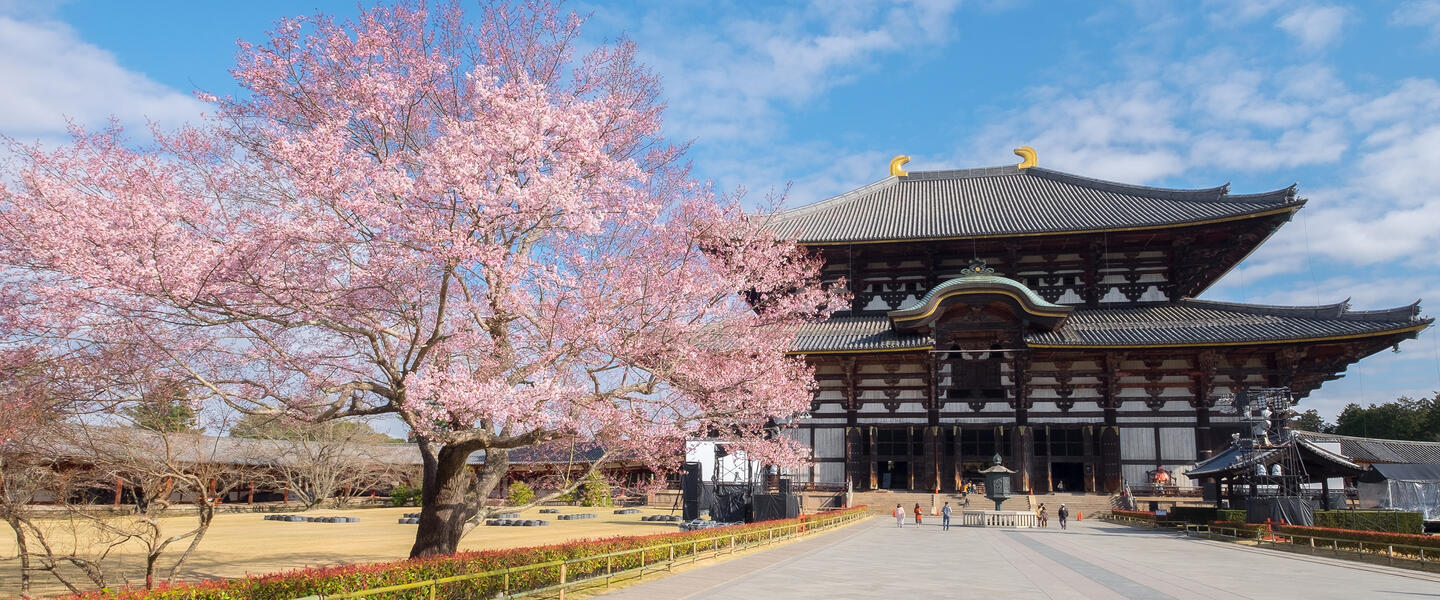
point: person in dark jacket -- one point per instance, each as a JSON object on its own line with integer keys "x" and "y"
{"x": 1063, "y": 513}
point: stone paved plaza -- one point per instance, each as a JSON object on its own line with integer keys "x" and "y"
{"x": 1093, "y": 559}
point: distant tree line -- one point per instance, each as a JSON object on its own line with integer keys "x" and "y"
{"x": 1404, "y": 418}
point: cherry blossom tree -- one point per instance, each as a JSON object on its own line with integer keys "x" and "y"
{"x": 450, "y": 218}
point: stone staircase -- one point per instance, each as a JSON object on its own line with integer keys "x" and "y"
{"x": 1078, "y": 504}
{"x": 884, "y": 501}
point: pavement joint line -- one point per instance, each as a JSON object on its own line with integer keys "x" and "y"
{"x": 1191, "y": 586}
{"x": 1004, "y": 543}
{"x": 1116, "y": 582}
{"x": 788, "y": 560}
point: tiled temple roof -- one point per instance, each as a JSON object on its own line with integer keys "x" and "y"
{"x": 1375, "y": 450}
{"x": 856, "y": 334}
{"x": 1011, "y": 201}
{"x": 1184, "y": 323}
{"x": 1201, "y": 322}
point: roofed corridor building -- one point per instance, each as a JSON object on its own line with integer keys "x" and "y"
{"x": 1050, "y": 318}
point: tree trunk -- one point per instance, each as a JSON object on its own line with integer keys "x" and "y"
{"x": 444, "y": 506}
{"x": 24, "y": 555}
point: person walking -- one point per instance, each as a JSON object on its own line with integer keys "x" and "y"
{"x": 1063, "y": 514}
{"x": 945, "y": 517}
{"x": 918, "y": 512}
{"x": 899, "y": 516}
{"x": 1040, "y": 514}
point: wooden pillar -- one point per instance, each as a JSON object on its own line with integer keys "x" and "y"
{"x": 1110, "y": 433}
{"x": 251, "y": 498}
{"x": 932, "y": 459}
{"x": 959, "y": 462}
{"x": 871, "y": 451}
{"x": 1206, "y": 363}
{"x": 1021, "y": 444}
{"x": 119, "y": 489}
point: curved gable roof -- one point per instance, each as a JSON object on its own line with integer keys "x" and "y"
{"x": 1007, "y": 201}
{"x": 926, "y": 308}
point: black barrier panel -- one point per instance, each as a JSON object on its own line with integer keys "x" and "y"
{"x": 768, "y": 507}
{"x": 1288, "y": 509}
{"x": 690, "y": 491}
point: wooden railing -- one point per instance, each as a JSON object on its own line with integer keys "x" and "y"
{"x": 586, "y": 572}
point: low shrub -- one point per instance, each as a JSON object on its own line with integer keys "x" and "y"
{"x": 1357, "y": 535}
{"x": 1244, "y": 530}
{"x": 404, "y": 495}
{"x": 1134, "y": 514}
{"x": 1371, "y": 520}
{"x": 1230, "y": 515}
{"x": 349, "y": 578}
{"x": 596, "y": 491}
{"x": 518, "y": 493}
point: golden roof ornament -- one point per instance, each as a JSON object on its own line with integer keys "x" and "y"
{"x": 1028, "y": 154}
{"x": 896, "y": 163}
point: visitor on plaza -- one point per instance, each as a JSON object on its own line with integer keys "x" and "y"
{"x": 1063, "y": 514}
{"x": 918, "y": 512}
{"x": 945, "y": 517}
{"x": 899, "y": 516}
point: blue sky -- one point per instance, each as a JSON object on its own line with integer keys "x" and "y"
{"x": 1342, "y": 98}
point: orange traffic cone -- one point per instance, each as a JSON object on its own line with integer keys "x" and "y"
{"x": 1079, "y": 516}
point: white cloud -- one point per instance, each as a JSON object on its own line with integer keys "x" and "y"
{"x": 1419, "y": 13}
{"x": 1239, "y": 12}
{"x": 731, "y": 79}
{"x": 1315, "y": 27}
{"x": 51, "y": 75}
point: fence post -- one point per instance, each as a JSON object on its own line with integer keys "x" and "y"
{"x": 694, "y": 551}
{"x": 507, "y": 582}
{"x": 609, "y": 566}
{"x": 562, "y": 580}
{"x": 732, "y": 544}
{"x": 432, "y": 590}
{"x": 671, "y": 565}
{"x": 1390, "y": 553}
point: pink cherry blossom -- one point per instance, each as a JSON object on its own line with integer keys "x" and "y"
{"x": 450, "y": 218}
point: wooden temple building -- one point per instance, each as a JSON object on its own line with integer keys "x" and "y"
{"x": 1050, "y": 318}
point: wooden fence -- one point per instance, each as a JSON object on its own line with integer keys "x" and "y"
{"x": 604, "y": 569}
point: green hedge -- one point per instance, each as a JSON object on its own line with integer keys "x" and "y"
{"x": 1381, "y": 537}
{"x": 1230, "y": 515}
{"x": 1371, "y": 520}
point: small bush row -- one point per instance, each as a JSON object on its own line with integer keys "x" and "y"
{"x": 1134, "y": 514}
{"x": 1373, "y": 520}
{"x": 349, "y": 578}
{"x": 1244, "y": 530}
{"x": 1382, "y": 537}
{"x": 1230, "y": 515}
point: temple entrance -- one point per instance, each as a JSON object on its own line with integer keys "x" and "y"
{"x": 1067, "y": 476}
{"x": 894, "y": 475}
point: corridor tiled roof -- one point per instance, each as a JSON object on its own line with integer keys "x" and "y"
{"x": 1201, "y": 322}
{"x": 1183, "y": 323}
{"x": 1375, "y": 450}
{"x": 1011, "y": 201}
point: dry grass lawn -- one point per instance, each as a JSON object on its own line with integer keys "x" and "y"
{"x": 245, "y": 543}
